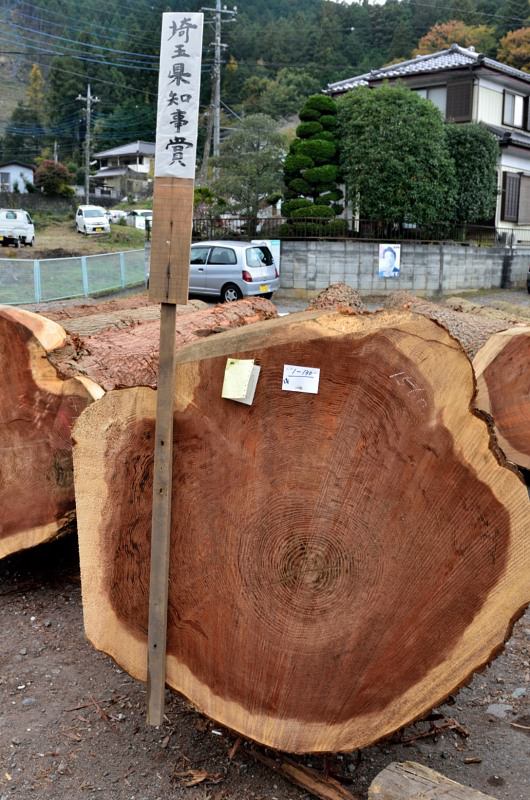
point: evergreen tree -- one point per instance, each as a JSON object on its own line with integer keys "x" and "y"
{"x": 394, "y": 156}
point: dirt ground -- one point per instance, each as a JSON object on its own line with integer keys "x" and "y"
{"x": 61, "y": 240}
{"x": 73, "y": 724}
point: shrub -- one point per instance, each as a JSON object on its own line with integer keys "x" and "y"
{"x": 319, "y": 212}
{"x": 338, "y": 227}
{"x": 319, "y": 150}
{"x": 331, "y": 197}
{"x": 322, "y": 175}
{"x": 327, "y": 136}
{"x": 328, "y": 122}
{"x": 307, "y": 129}
{"x": 322, "y": 103}
{"x": 292, "y": 205}
{"x": 293, "y": 164}
{"x": 299, "y": 186}
{"x": 309, "y": 114}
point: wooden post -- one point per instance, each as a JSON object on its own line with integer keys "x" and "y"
{"x": 176, "y": 143}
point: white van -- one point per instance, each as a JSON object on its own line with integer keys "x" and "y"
{"x": 92, "y": 219}
{"x": 16, "y": 228}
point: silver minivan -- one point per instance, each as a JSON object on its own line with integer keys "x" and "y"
{"x": 232, "y": 270}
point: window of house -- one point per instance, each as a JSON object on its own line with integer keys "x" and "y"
{"x": 459, "y": 107}
{"x": 4, "y": 181}
{"x": 104, "y": 162}
{"x": 511, "y": 182}
{"x": 513, "y": 110}
{"x": 437, "y": 95}
{"x": 140, "y": 159}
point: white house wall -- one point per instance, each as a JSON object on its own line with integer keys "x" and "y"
{"x": 18, "y": 174}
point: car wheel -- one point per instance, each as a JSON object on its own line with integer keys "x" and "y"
{"x": 231, "y": 292}
{"x": 16, "y": 243}
{"x": 85, "y": 231}
{"x": 267, "y": 295}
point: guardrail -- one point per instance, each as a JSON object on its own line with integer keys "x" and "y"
{"x": 24, "y": 280}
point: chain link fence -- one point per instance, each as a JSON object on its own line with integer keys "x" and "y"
{"x": 24, "y": 280}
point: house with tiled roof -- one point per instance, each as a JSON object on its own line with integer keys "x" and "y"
{"x": 469, "y": 87}
{"x": 123, "y": 170}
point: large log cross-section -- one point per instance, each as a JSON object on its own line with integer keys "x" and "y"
{"x": 340, "y": 562}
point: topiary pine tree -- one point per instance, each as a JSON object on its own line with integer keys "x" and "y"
{"x": 311, "y": 169}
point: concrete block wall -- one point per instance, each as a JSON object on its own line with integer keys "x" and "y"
{"x": 309, "y": 266}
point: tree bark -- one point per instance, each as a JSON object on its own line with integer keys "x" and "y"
{"x": 502, "y": 369}
{"x": 471, "y": 330}
{"x": 49, "y": 377}
{"x": 340, "y": 562}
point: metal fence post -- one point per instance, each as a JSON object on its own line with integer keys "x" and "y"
{"x": 84, "y": 275}
{"x": 36, "y": 280}
{"x": 122, "y": 269}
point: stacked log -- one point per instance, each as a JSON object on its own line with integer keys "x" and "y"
{"x": 499, "y": 346}
{"x": 49, "y": 377}
{"x": 502, "y": 369}
{"x": 340, "y": 562}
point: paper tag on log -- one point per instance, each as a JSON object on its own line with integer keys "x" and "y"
{"x": 241, "y": 378}
{"x": 300, "y": 379}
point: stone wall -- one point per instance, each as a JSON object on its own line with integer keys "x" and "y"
{"x": 309, "y": 266}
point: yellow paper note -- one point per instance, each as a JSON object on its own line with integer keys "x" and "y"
{"x": 237, "y": 376}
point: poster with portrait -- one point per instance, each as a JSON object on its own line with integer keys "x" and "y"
{"x": 389, "y": 260}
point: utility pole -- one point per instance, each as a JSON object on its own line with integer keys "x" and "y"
{"x": 55, "y": 155}
{"x": 89, "y": 100}
{"x": 214, "y": 114}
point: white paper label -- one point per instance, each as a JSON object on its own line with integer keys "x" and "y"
{"x": 179, "y": 84}
{"x": 300, "y": 379}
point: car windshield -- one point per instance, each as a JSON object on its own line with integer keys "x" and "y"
{"x": 93, "y": 212}
{"x": 259, "y": 257}
{"x": 146, "y": 213}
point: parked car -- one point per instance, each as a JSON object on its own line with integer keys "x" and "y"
{"x": 16, "y": 228}
{"x": 116, "y": 214}
{"x": 91, "y": 219}
{"x": 138, "y": 217}
{"x": 232, "y": 270}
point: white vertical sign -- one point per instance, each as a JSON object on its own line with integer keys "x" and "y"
{"x": 179, "y": 86}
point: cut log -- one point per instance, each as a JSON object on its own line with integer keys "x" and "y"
{"x": 411, "y": 781}
{"x": 502, "y": 369}
{"x": 48, "y": 378}
{"x": 471, "y": 330}
{"x": 500, "y": 349}
{"x": 341, "y": 562}
{"x": 37, "y": 411}
{"x": 128, "y": 356}
{"x": 519, "y": 315}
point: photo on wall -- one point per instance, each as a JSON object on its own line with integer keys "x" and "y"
{"x": 389, "y": 260}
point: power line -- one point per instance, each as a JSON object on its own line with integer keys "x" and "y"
{"x": 75, "y": 41}
{"x": 105, "y": 28}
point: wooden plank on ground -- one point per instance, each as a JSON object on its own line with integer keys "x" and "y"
{"x": 410, "y": 781}
{"x": 309, "y": 779}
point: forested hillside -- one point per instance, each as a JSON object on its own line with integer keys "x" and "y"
{"x": 277, "y": 53}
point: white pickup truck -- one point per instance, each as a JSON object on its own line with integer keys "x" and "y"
{"x": 16, "y": 228}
